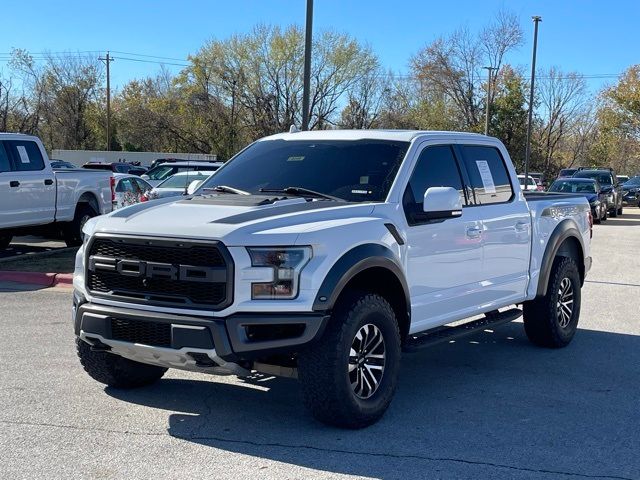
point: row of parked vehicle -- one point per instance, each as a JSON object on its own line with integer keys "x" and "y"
{"x": 606, "y": 192}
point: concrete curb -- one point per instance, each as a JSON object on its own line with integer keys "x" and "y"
{"x": 64, "y": 280}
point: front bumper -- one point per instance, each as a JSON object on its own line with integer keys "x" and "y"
{"x": 212, "y": 345}
{"x": 631, "y": 198}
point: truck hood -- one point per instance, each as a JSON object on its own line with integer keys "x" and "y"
{"x": 235, "y": 220}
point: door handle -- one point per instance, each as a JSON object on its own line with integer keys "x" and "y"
{"x": 474, "y": 232}
{"x": 48, "y": 181}
{"x": 14, "y": 183}
{"x": 522, "y": 226}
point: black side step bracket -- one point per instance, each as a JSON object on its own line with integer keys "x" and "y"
{"x": 432, "y": 337}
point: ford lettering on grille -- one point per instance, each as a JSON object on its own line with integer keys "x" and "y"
{"x": 142, "y": 269}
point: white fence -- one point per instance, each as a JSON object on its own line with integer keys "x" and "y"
{"x": 80, "y": 157}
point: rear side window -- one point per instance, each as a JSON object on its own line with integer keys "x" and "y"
{"x": 488, "y": 174}
{"x": 436, "y": 167}
{"x": 5, "y": 164}
{"x": 26, "y": 155}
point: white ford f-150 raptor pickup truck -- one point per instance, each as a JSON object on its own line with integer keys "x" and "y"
{"x": 34, "y": 198}
{"x": 323, "y": 255}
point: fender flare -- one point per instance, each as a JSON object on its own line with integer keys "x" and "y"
{"x": 352, "y": 263}
{"x": 564, "y": 230}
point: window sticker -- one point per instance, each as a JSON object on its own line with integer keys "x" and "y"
{"x": 295, "y": 159}
{"x": 485, "y": 175}
{"x": 24, "y": 156}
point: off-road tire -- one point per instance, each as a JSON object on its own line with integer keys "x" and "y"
{"x": 116, "y": 371}
{"x": 614, "y": 212}
{"x": 5, "y": 240}
{"x": 542, "y": 322}
{"x": 323, "y": 369}
{"x": 605, "y": 215}
{"x": 72, "y": 232}
{"x": 620, "y": 210}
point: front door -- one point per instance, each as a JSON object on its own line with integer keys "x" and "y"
{"x": 444, "y": 257}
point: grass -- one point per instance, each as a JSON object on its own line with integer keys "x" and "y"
{"x": 56, "y": 262}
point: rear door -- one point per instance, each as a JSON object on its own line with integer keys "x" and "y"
{"x": 31, "y": 198}
{"x": 444, "y": 257}
{"x": 506, "y": 221}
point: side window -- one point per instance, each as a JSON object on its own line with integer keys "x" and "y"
{"x": 5, "y": 164}
{"x": 142, "y": 187}
{"x": 125, "y": 185}
{"x": 26, "y": 155}
{"x": 436, "y": 167}
{"x": 488, "y": 174}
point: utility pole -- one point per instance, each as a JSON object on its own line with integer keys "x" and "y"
{"x": 107, "y": 59}
{"x": 536, "y": 19}
{"x": 486, "y": 119}
{"x": 306, "y": 88}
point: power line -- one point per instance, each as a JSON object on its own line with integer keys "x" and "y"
{"x": 149, "y": 56}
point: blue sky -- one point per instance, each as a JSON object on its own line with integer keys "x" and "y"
{"x": 589, "y": 36}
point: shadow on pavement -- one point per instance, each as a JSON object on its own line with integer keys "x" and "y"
{"x": 492, "y": 401}
{"x": 12, "y": 287}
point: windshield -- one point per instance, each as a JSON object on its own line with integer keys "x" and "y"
{"x": 633, "y": 181}
{"x": 182, "y": 181}
{"x": 356, "y": 171}
{"x": 602, "y": 177}
{"x": 531, "y": 181}
{"x": 567, "y": 186}
{"x": 161, "y": 172}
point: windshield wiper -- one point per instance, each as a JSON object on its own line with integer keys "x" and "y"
{"x": 301, "y": 191}
{"x": 226, "y": 189}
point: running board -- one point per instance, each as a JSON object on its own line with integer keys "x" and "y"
{"x": 432, "y": 337}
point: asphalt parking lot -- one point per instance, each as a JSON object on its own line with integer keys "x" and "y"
{"x": 490, "y": 406}
{"x": 29, "y": 245}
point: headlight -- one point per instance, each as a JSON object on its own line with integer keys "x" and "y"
{"x": 287, "y": 263}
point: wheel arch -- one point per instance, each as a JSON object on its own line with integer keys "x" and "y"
{"x": 88, "y": 198}
{"x": 565, "y": 241}
{"x": 370, "y": 267}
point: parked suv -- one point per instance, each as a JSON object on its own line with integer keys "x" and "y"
{"x": 631, "y": 189}
{"x": 606, "y": 177}
{"x": 323, "y": 255}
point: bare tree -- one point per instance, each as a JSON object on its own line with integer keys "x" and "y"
{"x": 562, "y": 98}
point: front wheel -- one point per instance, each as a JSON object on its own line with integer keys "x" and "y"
{"x": 116, "y": 371}
{"x": 620, "y": 210}
{"x": 552, "y": 320}
{"x": 349, "y": 376}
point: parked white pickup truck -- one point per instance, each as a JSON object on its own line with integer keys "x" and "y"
{"x": 322, "y": 255}
{"x": 35, "y": 198}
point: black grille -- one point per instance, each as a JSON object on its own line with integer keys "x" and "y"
{"x": 136, "y": 331}
{"x": 161, "y": 291}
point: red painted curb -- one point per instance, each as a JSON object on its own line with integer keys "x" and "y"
{"x": 38, "y": 278}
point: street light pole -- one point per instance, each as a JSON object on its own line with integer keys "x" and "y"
{"x": 107, "y": 59}
{"x": 488, "y": 101}
{"x": 306, "y": 87}
{"x": 536, "y": 19}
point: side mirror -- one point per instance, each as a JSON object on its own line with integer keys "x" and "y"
{"x": 193, "y": 186}
{"x": 441, "y": 203}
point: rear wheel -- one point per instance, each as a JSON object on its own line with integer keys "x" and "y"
{"x": 620, "y": 209}
{"x": 72, "y": 232}
{"x": 116, "y": 371}
{"x": 552, "y": 320}
{"x": 5, "y": 240}
{"x": 349, "y": 376}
